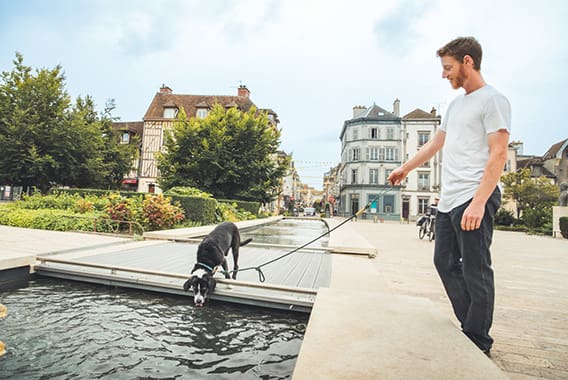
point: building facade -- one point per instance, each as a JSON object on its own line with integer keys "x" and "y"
{"x": 161, "y": 114}
{"x": 422, "y": 185}
{"x": 374, "y": 143}
{"x": 370, "y": 150}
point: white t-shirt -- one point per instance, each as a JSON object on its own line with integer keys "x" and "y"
{"x": 468, "y": 121}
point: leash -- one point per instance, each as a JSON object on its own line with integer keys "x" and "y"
{"x": 262, "y": 277}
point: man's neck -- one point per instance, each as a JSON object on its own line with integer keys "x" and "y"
{"x": 474, "y": 82}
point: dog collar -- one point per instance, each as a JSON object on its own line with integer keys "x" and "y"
{"x": 206, "y": 267}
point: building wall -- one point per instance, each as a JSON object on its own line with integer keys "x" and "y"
{"x": 422, "y": 185}
{"x": 379, "y": 152}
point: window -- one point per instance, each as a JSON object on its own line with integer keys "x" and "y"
{"x": 374, "y": 133}
{"x": 387, "y": 173}
{"x": 170, "y": 112}
{"x": 423, "y": 181}
{"x": 125, "y": 138}
{"x": 423, "y": 138}
{"x": 422, "y": 205}
{"x": 354, "y": 176}
{"x": 355, "y": 134}
{"x": 374, "y": 154}
{"x": 390, "y": 133}
{"x": 201, "y": 113}
{"x": 388, "y": 204}
{"x": 373, "y": 176}
{"x": 391, "y": 153}
{"x": 355, "y": 154}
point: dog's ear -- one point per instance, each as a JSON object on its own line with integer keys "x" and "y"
{"x": 188, "y": 283}
{"x": 212, "y": 283}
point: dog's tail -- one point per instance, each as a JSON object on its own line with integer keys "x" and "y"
{"x": 245, "y": 242}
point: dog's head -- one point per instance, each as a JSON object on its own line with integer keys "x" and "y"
{"x": 201, "y": 283}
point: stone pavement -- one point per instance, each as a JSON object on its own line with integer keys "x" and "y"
{"x": 531, "y": 273}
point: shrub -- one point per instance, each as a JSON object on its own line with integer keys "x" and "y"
{"x": 197, "y": 209}
{"x": 189, "y": 192}
{"x": 159, "y": 213}
{"x": 55, "y": 220}
{"x": 231, "y": 213}
{"x": 251, "y": 207}
{"x": 504, "y": 217}
{"x": 564, "y": 226}
{"x": 537, "y": 217}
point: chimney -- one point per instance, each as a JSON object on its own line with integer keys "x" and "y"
{"x": 433, "y": 111}
{"x": 243, "y": 91}
{"x": 165, "y": 89}
{"x": 396, "y": 107}
{"x": 358, "y": 111}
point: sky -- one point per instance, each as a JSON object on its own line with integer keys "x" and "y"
{"x": 309, "y": 61}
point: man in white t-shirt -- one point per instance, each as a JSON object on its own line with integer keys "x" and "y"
{"x": 474, "y": 136}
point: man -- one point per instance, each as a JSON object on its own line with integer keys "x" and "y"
{"x": 474, "y": 135}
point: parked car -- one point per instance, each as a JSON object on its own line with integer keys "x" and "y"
{"x": 309, "y": 211}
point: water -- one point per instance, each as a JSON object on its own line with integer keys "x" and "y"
{"x": 69, "y": 330}
{"x": 289, "y": 232}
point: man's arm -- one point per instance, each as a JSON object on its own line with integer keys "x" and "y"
{"x": 473, "y": 214}
{"x": 425, "y": 153}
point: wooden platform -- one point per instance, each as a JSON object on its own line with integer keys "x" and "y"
{"x": 291, "y": 283}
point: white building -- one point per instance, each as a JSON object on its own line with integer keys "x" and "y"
{"x": 422, "y": 185}
{"x": 375, "y": 142}
{"x": 370, "y": 150}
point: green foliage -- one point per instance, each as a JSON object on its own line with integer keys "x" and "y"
{"x": 53, "y": 219}
{"x": 251, "y": 207}
{"x": 529, "y": 193}
{"x": 189, "y": 192}
{"x": 197, "y": 209}
{"x": 228, "y": 154}
{"x": 564, "y": 226}
{"x": 537, "y": 217}
{"x": 158, "y": 213}
{"x": 47, "y": 140}
{"x": 504, "y": 217}
{"x": 230, "y": 212}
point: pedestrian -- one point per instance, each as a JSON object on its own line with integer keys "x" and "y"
{"x": 474, "y": 135}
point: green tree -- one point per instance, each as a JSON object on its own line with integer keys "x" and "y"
{"x": 230, "y": 154}
{"x": 534, "y": 197}
{"x": 46, "y": 141}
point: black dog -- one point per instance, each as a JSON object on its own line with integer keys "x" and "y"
{"x": 211, "y": 253}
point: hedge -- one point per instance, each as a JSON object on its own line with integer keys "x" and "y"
{"x": 564, "y": 226}
{"x": 98, "y": 192}
{"x": 250, "y": 206}
{"x": 55, "y": 220}
{"x": 196, "y": 209}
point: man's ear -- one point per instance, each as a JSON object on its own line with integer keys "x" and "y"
{"x": 468, "y": 60}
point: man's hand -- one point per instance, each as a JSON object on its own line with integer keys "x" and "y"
{"x": 397, "y": 175}
{"x": 472, "y": 216}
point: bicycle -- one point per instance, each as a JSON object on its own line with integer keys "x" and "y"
{"x": 426, "y": 223}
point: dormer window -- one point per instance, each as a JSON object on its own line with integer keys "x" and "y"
{"x": 170, "y": 112}
{"x": 201, "y": 113}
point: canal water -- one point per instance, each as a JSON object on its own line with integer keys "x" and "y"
{"x": 63, "y": 330}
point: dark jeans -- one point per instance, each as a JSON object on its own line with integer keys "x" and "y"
{"x": 463, "y": 261}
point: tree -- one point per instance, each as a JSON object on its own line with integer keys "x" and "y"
{"x": 45, "y": 140}
{"x": 230, "y": 154}
{"x": 534, "y": 196}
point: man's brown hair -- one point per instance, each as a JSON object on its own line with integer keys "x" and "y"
{"x": 460, "y": 47}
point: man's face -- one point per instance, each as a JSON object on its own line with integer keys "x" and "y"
{"x": 454, "y": 71}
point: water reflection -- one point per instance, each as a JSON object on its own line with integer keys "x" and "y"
{"x": 289, "y": 232}
{"x": 58, "y": 329}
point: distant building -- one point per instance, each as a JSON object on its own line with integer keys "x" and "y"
{"x": 161, "y": 114}
{"x": 371, "y": 148}
{"x": 422, "y": 185}
{"x": 374, "y": 143}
